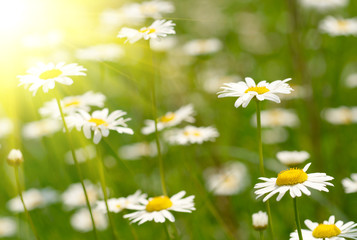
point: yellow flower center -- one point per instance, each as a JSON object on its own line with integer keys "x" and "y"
{"x": 342, "y": 24}
{"x": 167, "y": 118}
{"x": 49, "y": 74}
{"x": 147, "y": 30}
{"x": 98, "y": 121}
{"x": 74, "y": 102}
{"x": 326, "y": 231}
{"x": 291, "y": 176}
{"x": 158, "y": 204}
{"x": 192, "y": 133}
{"x": 259, "y": 90}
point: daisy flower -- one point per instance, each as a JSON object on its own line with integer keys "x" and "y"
{"x": 81, "y": 220}
{"x": 277, "y": 117}
{"x": 328, "y": 230}
{"x": 41, "y": 128}
{"x": 6, "y": 127}
{"x": 341, "y": 115}
{"x": 260, "y": 220}
{"x": 247, "y": 90}
{"x": 138, "y": 150}
{"x": 350, "y": 185}
{"x": 294, "y": 180}
{"x": 170, "y": 119}
{"x": 154, "y": 9}
{"x": 292, "y": 158}
{"x": 351, "y": 80}
{"x": 339, "y": 26}
{"x": 118, "y": 204}
{"x": 82, "y": 154}
{"x": 100, "y": 123}
{"x": 274, "y": 135}
{"x": 323, "y": 4}
{"x": 46, "y": 76}
{"x": 202, "y": 46}
{"x": 74, "y": 195}
{"x": 163, "y": 44}
{"x": 73, "y": 103}
{"x": 158, "y": 208}
{"x": 101, "y": 53}
{"x": 191, "y": 135}
{"x": 7, "y": 227}
{"x": 159, "y": 29}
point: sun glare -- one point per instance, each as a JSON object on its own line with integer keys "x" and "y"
{"x": 12, "y": 15}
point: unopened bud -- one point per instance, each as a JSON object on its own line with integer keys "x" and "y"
{"x": 260, "y": 220}
{"x": 15, "y": 157}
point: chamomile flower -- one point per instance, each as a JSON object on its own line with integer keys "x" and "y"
{"x": 118, "y": 204}
{"x": 73, "y": 103}
{"x": 159, "y": 29}
{"x": 170, "y": 119}
{"x": 41, "y": 128}
{"x": 74, "y": 195}
{"x": 247, "y": 90}
{"x": 7, "y": 227}
{"x": 202, "y": 46}
{"x": 81, "y": 220}
{"x": 100, "y": 123}
{"x": 158, "y": 208}
{"x": 82, "y": 154}
{"x": 46, "y": 76}
{"x": 163, "y": 44}
{"x": 227, "y": 180}
{"x": 156, "y": 8}
{"x": 138, "y": 150}
{"x": 350, "y": 185}
{"x": 277, "y": 117}
{"x": 292, "y": 158}
{"x": 274, "y": 135}
{"x": 339, "y": 26}
{"x": 323, "y": 4}
{"x": 6, "y": 127}
{"x": 341, "y": 115}
{"x": 102, "y": 52}
{"x": 191, "y": 135}
{"x": 351, "y": 80}
{"x": 260, "y": 220}
{"x": 328, "y": 230}
{"x": 294, "y": 180}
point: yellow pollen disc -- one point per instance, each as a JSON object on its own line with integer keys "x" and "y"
{"x": 148, "y": 30}
{"x": 326, "y": 231}
{"x": 98, "y": 121}
{"x": 192, "y": 133}
{"x": 291, "y": 177}
{"x": 158, "y": 204}
{"x": 72, "y": 103}
{"x": 342, "y": 24}
{"x": 167, "y": 118}
{"x": 259, "y": 90}
{"x": 49, "y": 74}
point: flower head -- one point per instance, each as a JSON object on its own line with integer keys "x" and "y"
{"x": 292, "y": 158}
{"x": 191, "y": 135}
{"x": 118, "y": 204}
{"x": 341, "y": 115}
{"x": 350, "y": 185}
{"x": 260, "y": 220}
{"x": 81, "y": 220}
{"x": 202, "y": 46}
{"x": 74, "y": 195}
{"x": 15, "y": 157}
{"x": 41, "y": 128}
{"x": 328, "y": 230}
{"x": 159, "y": 29}
{"x": 339, "y": 26}
{"x": 247, "y": 90}
{"x": 158, "y": 208}
{"x": 46, "y": 76}
{"x": 103, "y": 52}
{"x": 138, "y": 150}
{"x": 100, "y": 123}
{"x": 277, "y": 117}
{"x": 323, "y": 4}
{"x": 7, "y": 227}
{"x": 294, "y": 180}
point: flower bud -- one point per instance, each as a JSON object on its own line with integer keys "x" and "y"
{"x": 260, "y": 220}
{"x": 15, "y": 157}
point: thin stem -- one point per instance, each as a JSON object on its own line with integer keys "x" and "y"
{"x": 261, "y": 234}
{"x": 77, "y": 166}
{"x": 297, "y": 220}
{"x": 157, "y": 140}
{"x": 104, "y": 189}
{"x": 261, "y": 163}
{"x": 23, "y": 202}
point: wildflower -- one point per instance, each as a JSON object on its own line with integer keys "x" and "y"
{"x": 191, "y": 135}
{"x": 163, "y": 44}
{"x": 292, "y": 158}
{"x": 340, "y": 115}
{"x": 156, "y": 8}
{"x": 159, "y": 29}
{"x": 74, "y": 195}
{"x": 101, "y": 53}
{"x": 328, "y": 230}
{"x": 202, "y": 46}
{"x": 227, "y": 180}
{"x": 277, "y": 117}
{"x": 46, "y": 76}
{"x": 351, "y": 80}
{"x": 81, "y": 220}
{"x": 6, "y": 127}
{"x": 41, "y": 128}
{"x": 33, "y": 198}
{"x": 350, "y": 185}
{"x": 274, "y": 135}
{"x": 339, "y": 26}
{"x": 138, "y": 150}
{"x": 7, "y": 227}
{"x": 82, "y": 154}
{"x": 294, "y": 180}
{"x": 158, "y": 208}
{"x": 260, "y": 220}
{"x": 118, "y": 204}
{"x": 100, "y": 123}
{"x": 170, "y": 119}
{"x": 247, "y": 90}
{"x": 323, "y": 5}
{"x": 73, "y": 103}
{"x": 15, "y": 157}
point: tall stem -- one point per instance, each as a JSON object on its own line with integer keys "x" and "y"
{"x": 261, "y": 234}
{"x": 104, "y": 189}
{"x": 261, "y": 163}
{"x": 69, "y": 139}
{"x": 157, "y": 140}
{"x": 23, "y": 202}
{"x": 297, "y": 220}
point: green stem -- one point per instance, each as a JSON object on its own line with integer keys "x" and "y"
{"x": 77, "y": 166}
{"x": 104, "y": 189}
{"x": 261, "y": 234}
{"x": 23, "y": 202}
{"x": 261, "y": 163}
{"x": 297, "y": 220}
